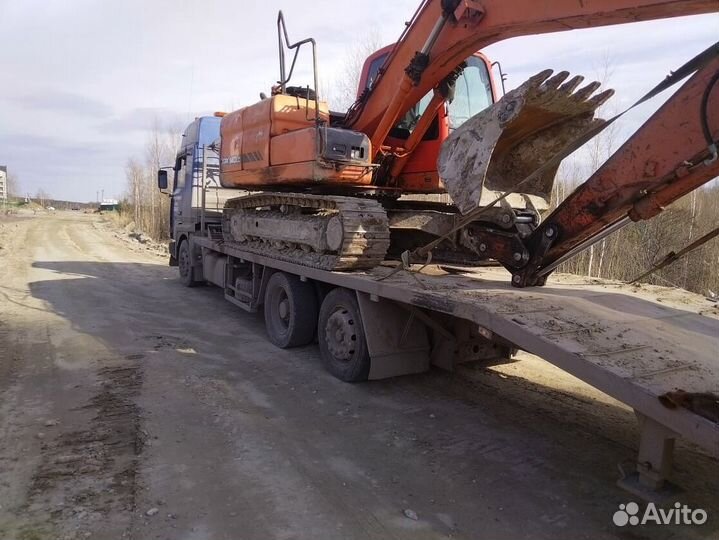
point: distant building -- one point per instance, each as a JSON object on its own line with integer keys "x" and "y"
{"x": 3, "y": 183}
{"x": 109, "y": 204}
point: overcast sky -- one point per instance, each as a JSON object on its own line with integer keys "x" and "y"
{"x": 82, "y": 81}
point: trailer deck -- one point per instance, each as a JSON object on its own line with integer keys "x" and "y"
{"x": 632, "y": 343}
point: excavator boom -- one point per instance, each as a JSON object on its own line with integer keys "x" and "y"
{"x": 443, "y": 33}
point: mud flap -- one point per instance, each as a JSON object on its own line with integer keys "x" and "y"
{"x": 496, "y": 149}
{"x": 396, "y": 341}
{"x": 173, "y": 257}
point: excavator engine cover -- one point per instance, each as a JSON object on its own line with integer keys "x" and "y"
{"x": 499, "y": 147}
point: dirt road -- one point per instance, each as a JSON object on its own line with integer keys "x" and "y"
{"x": 133, "y": 408}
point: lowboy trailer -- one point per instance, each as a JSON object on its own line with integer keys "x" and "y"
{"x": 622, "y": 343}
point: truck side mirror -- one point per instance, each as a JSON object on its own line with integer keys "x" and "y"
{"x": 162, "y": 179}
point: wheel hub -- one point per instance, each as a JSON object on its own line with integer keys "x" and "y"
{"x": 341, "y": 334}
{"x": 184, "y": 262}
{"x": 283, "y": 309}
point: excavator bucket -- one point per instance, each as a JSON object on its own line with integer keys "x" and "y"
{"x": 496, "y": 149}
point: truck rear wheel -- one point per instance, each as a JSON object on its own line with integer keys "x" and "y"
{"x": 290, "y": 310}
{"x": 341, "y": 336}
{"x": 185, "y": 266}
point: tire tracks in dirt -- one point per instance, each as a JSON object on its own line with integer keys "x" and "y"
{"x": 72, "y": 428}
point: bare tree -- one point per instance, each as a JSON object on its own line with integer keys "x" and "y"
{"x": 147, "y": 207}
{"x": 599, "y": 149}
{"x": 342, "y": 92}
{"x": 589, "y": 158}
{"x": 42, "y": 197}
{"x": 134, "y": 175}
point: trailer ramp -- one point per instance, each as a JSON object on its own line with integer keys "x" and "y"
{"x": 633, "y": 343}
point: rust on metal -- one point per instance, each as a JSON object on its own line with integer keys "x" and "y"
{"x": 671, "y": 140}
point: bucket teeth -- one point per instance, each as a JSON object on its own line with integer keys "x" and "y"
{"x": 583, "y": 93}
{"x": 600, "y": 99}
{"x": 496, "y": 149}
{"x": 553, "y": 83}
{"x": 572, "y": 84}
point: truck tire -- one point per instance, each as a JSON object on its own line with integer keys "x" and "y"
{"x": 341, "y": 336}
{"x": 290, "y": 310}
{"x": 185, "y": 266}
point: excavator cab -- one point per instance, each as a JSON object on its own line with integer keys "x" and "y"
{"x": 474, "y": 91}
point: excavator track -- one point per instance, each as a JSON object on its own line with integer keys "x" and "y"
{"x": 324, "y": 232}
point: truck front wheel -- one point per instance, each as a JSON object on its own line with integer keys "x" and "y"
{"x": 341, "y": 336}
{"x": 185, "y": 266}
{"x": 290, "y": 310}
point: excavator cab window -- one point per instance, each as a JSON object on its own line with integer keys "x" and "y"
{"x": 406, "y": 126}
{"x": 373, "y": 70}
{"x": 472, "y": 93}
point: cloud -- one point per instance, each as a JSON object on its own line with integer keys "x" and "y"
{"x": 144, "y": 119}
{"x": 66, "y": 168}
{"x": 82, "y": 82}
{"x": 62, "y": 102}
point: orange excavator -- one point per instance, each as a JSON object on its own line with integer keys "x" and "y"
{"x": 344, "y": 191}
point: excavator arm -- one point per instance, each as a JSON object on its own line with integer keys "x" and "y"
{"x": 531, "y": 127}
{"x": 672, "y": 154}
{"x": 442, "y": 33}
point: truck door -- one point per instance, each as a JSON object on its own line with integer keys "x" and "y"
{"x": 178, "y": 194}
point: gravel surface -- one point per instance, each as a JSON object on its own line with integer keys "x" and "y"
{"x": 131, "y": 407}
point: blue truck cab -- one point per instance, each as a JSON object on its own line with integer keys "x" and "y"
{"x": 196, "y": 195}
